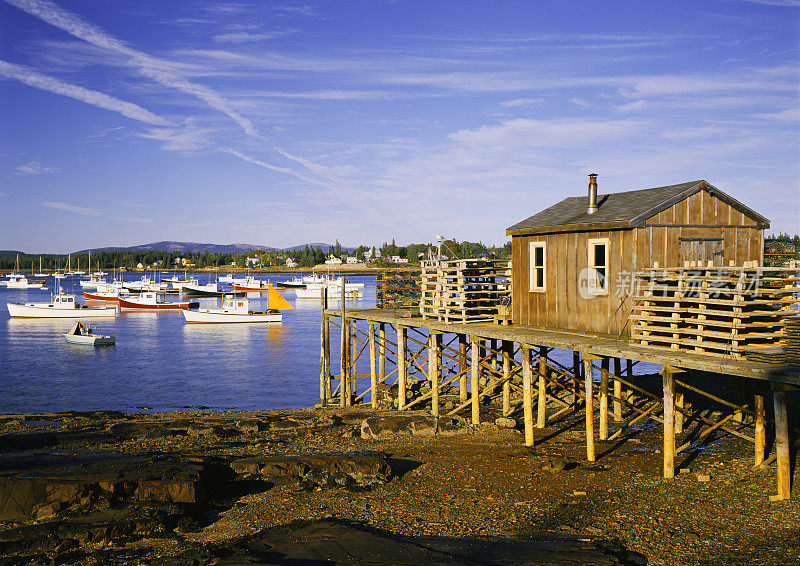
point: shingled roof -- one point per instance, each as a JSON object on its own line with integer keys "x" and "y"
{"x": 627, "y": 209}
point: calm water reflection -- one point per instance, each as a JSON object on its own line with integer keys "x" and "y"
{"x": 160, "y": 362}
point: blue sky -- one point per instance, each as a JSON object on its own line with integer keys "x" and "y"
{"x": 285, "y": 122}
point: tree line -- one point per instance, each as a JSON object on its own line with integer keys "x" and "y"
{"x": 306, "y": 257}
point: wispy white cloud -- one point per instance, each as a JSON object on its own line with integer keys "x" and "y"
{"x": 155, "y": 69}
{"x": 580, "y": 102}
{"x": 789, "y": 115}
{"x": 35, "y": 168}
{"x": 84, "y": 211}
{"x": 190, "y": 137}
{"x": 93, "y": 212}
{"x": 32, "y": 78}
{"x": 276, "y": 168}
{"x": 250, "y": 37}
{"x": 521, "y": 102}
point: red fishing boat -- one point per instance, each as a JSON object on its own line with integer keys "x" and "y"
{"x": 149, "y": 301}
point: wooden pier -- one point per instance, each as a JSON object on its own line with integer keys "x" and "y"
{"x": 395, "y": 359}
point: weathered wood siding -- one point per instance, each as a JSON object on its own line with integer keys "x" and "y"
{"x": 562, "y": 307}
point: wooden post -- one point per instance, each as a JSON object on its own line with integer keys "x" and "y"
{"x": 344, "y": 352}
{"x": 669, "y": 422}
{"x": 462, "y": 367}
{"x": 475, "y": 381}
{"x": 401, "y": 367}
{"x": 508, "y": 350}
{"x": 679, "y": 417}
{"x": 541, "y": 402}
{"x": 324, "y": 353}
{"x": 433, "y": 370}
{"x": 351, "y": 376}
{"x": 382, "y": 352}
{"x": 782, "y": 440}
{"x": 576, "y": 377}
{"x": 587, "y": 374}
{"x": 760, "y": 436}
{"x": 603, "y": 432}
{"x": 373, "y": 375}
{"x": 617, "y": 391}
{"x": 527, "y": 393}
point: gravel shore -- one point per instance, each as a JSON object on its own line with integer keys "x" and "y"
{"x": 212, "y": 487}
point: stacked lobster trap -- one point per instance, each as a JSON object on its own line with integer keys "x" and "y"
{"x": 723, "y": 311}
{"x": 464, "y": 290}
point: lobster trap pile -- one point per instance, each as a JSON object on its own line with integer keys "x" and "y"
{"x": 463, "y": 290}
{"x": 723, "y": 311}
{"x": 398, "y": 289}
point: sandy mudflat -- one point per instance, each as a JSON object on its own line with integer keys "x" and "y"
{"x": 299, "y": 486}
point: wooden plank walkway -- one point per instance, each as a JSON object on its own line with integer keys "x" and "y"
{"x": 590, "y": 344}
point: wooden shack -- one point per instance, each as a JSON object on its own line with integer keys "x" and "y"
{"x": 574, "y": 262}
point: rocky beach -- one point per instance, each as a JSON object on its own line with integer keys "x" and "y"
{"x": 353, "y": 486}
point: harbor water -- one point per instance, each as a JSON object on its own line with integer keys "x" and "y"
{"x": 160, "y": 362}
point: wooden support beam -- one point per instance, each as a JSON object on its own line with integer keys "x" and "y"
{"x": 760, "y": 436}
{"x": 353, "y": 359}
{"x": 507, "y": 353}
{"x": 669, "y": 422}
{"x": 382, "y": 352}
{"x": 618, "y": 417}
{"x": 462, "y": 367}
{"x": 541, "y": 402}
{"x": 434, "y": 354}
{"x": 782, "y": 440}
{"x": 344, "y": 352}
{"x": 588, "y": 385}
{"x": 527, "y": 394}
{"x": 401, "y": 367}
{"x": 603, "y": 432}
{"x": 679, "y": 410}
{"x": 373, "y": 374}
{"x": 475, "y": 380}
{"x": 325, "y": 351}
{"x": 576, "y": 377}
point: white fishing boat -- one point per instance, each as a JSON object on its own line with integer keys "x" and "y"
{"x": 17, "y": 280}
{"x": 227, "y": 278}
{"x": 61, "y": 306}
{"x": 93, "y": 282}
{"x": 146, "y": 284}
{"x": 84, "y": 335}
{"x": 194, "y": 288}
{"x": 334, "y": 286}
{"x": 296, "y": 283}
{"x": 237, "y": 310}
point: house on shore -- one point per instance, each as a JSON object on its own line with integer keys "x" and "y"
{"x": 574, "y": 262}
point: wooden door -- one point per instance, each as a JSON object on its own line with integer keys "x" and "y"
{"x": 701, "y": 251}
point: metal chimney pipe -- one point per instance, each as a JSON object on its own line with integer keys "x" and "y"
{"x": 592, "y": 206}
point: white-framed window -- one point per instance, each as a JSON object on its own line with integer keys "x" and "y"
{"x": 598, "y": 266}
{"x": 538, "y": 262}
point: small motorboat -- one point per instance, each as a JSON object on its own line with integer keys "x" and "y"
{"x": 237, "y": 310}
{"x": 252, "y": 284}
{"x": 193, "y": 288}
{"x": 149, "y": 300}
{"x": 296, "y": 283}
{"x": 61, "y": 306}
{"x": 84, "y": 335}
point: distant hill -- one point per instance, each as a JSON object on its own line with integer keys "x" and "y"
{"x": 189, "y": 247}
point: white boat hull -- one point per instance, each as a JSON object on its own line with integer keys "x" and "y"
{"x": 42, "y": 310}
{"x": 333, "y": 292}
{"x": 91, "y": 340}
{"x": 219, "y": 316}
